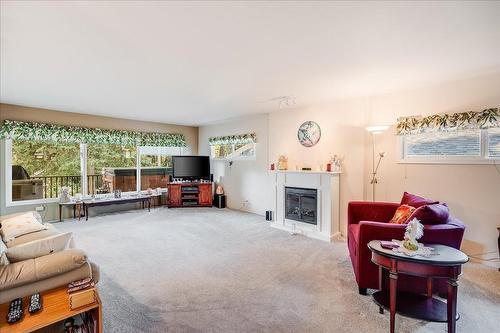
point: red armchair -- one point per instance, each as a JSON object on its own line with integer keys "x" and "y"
{"x": 369, "y": 220}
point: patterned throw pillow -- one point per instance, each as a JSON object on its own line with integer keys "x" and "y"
{"x": 402, "y": 214}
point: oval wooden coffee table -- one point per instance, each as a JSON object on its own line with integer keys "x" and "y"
{"x": 447, "y": 264}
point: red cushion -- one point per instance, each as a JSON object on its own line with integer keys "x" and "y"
{"x": 432, "y": 214}
{"x": 416, "y": 201}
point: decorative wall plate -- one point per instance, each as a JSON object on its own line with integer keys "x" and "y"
{"x": 309, "y": 134}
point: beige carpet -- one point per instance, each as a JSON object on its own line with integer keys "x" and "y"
{"x": 210, "y": 270}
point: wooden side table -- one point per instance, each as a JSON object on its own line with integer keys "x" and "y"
{"x": 77, "y": 209}
{"x": 55, "y": 309}
{"x": 447, "y": 264}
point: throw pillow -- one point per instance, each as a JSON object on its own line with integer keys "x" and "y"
{"x": 415, "y": 200}
{"x": 402, "y": 214}
{"x": 18, "y": 225}
{"x": 39, "y": 247}
{"x": 3, "y": 255}
{"x": 432, "y": 214}
{"x": 50, "y": 231}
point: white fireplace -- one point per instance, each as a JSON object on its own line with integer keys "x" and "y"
{"x": 293, "y": 194}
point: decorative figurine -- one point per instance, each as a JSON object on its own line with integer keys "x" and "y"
{"x": 219, "y": 190}
{"x": 282, "y": 162}
{"x": 64, "y": 196}
{"x": 414, "y": 231}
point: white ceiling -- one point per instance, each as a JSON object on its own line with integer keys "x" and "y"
{"x": 196, "y": 63}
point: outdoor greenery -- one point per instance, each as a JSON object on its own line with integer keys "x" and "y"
{"x": 40, "y": 158}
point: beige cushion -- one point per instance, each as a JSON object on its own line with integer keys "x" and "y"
{"x": 50, "y": 231}
{"x": 39, "y": 247}
{"x": 35, "y": 214}
{"x": 32, "y": 270}
{"x": 3, "y": 254}
{"x": 19, "y": 225}
{"x": 57, "y": 281}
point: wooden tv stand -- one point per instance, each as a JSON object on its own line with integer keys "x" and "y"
{"x": 189, "y": 194}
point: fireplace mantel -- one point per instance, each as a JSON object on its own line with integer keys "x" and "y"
{"x": 327, "y": 185}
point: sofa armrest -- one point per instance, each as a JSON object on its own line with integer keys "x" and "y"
{"x": 370, "y": 211}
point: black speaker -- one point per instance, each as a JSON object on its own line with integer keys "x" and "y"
{"x": 211, "y": 177}
{"x": 269, "y": 215}
{"x": 170, "y": 178}
{"x": 220, "y": 201}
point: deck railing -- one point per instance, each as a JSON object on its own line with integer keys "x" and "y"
{"x": 52, "y": 184}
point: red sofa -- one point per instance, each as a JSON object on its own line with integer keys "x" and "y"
{"x": 369, "y": 220}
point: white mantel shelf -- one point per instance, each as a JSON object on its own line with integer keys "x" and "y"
{"x": 327, "y": 185}
{"x": 308, "y": 172}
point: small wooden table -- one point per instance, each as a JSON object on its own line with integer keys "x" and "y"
{"x": 448, "y": 264}
{"x": 55, "y": 308}
{"x": 76, "y": 205}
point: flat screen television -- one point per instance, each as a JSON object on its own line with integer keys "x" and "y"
{"x": 191, "y": 167}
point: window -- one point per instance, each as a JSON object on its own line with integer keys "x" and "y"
{"x": 110, "y": 168}
{"x": 36, "y": 170}
{"x": 39, "y": 169}
{"x": 494, "y": 143}
{"x": 156, "y": 166}
{"x": 238, "y": 151}
{"x": 464, "y": 146}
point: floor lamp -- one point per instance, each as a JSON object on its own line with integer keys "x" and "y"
{"x": 373, "y": 131}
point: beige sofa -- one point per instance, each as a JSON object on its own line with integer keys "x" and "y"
{"x": 24, "y": 278}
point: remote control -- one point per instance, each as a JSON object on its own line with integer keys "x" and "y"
{"x": 35, "y": 303}
{"x": 15, "y": 311}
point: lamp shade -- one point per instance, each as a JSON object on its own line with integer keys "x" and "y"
{"x": 376, "y": 129}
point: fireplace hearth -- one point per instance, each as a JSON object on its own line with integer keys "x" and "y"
{"x": 301, "y": 204}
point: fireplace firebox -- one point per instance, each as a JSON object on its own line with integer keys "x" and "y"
{"x": 301, "y": 204}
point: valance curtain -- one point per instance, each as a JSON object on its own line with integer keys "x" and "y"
{"x": 20, "y": 130}
{"x": 233, "y": 139}
{"x": 488, "y": 118}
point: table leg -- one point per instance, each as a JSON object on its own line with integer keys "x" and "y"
{"x": 380, "y": 285}
{"x": 74, "y": 211}
{"x": 149, "y": 205}
{"x": 86, "y": 210}
{"x": 429, "y": 287}
{"x": 79, "y": 210}
{"x": 452, "y": 304}
{"x": 393, "y": 288}
{"x": 60, "y": 213}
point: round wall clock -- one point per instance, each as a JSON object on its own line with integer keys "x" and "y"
{"x": 309, "y": 134}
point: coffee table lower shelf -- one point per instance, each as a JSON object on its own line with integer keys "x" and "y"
{"x": 415, "y": 306}
{"x": 55, "y": 309}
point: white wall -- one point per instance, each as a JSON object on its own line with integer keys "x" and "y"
{"x": 341, "y": 134}
{"x": 471, "y": 191}
{"x": 244, "y": 180}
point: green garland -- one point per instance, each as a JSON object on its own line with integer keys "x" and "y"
{"x": 488, "y": 118}
{"x": 20, "y": 130}
{"x": 233, "y": 139}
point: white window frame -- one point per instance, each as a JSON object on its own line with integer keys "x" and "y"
{"x": 483, "y": 158}
{"x": 232, "y": 157}
{"x": 83, "y": 172}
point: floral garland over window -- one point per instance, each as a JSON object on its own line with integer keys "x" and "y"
{"x": 488, "y": 118}
{"x": 49, "y": 132}
{"x": 233, "y": 139}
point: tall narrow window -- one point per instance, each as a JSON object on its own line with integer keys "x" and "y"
{"x": 40, "y": 169}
